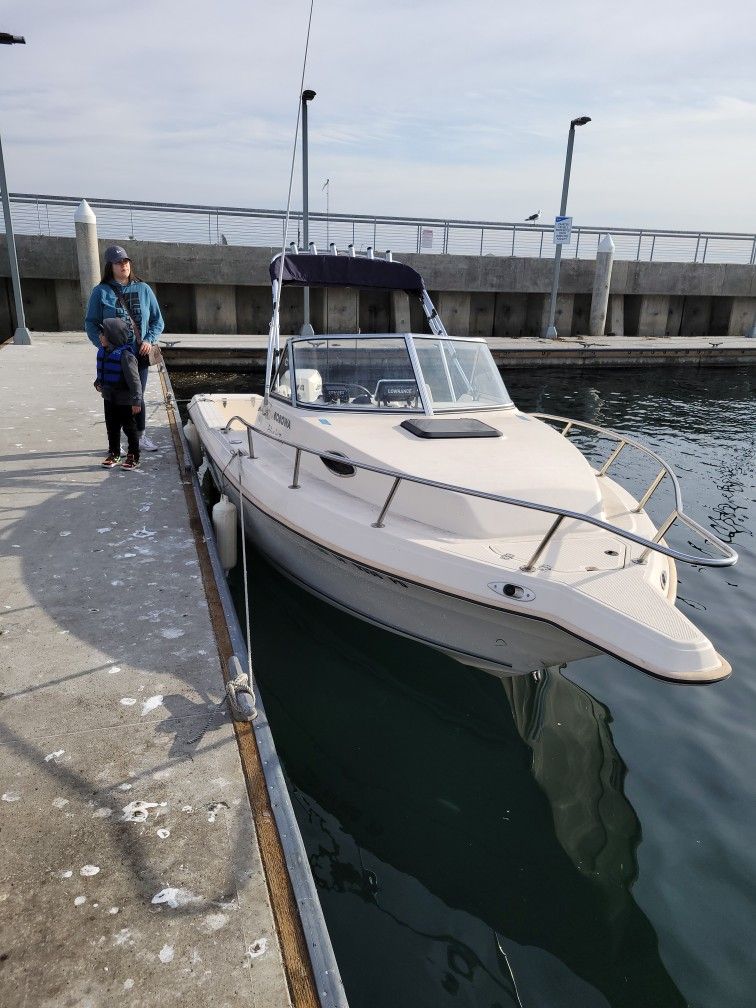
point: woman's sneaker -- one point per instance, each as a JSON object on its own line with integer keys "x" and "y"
{"x": 130, "y": 462}
{"x": 146, "y": 445}
{"x": 111, "y": 460}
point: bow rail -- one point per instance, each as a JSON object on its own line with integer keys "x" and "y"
{"x": 727, "y": 558}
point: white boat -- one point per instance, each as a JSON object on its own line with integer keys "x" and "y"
{"x": 393, "y": 476}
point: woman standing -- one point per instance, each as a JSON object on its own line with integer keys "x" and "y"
{"x": 121, "y": 294}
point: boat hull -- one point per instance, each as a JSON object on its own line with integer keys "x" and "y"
{"x": 483, "y": 636}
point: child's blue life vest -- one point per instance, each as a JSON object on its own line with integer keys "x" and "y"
{"x": 109, "y": 370}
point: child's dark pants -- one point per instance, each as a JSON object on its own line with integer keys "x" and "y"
{"x": 117, "y": 419}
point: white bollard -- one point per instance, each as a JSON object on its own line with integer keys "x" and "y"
{"x": 601, "y": 284}
{"x": 195, "y": 444}
{"x": 224, "y": 524}
{"x": 88, "y": 253}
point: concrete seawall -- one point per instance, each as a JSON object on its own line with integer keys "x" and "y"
{"x": 226, "y": 289}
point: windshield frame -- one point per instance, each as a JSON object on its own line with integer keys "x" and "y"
{"x": 428, "y": 407}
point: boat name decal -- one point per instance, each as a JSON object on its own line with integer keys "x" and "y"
{"x": 364, "y": 570}
{"x": 284, "y": 421}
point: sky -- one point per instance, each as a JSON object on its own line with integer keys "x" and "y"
{"x": 439, "y": 109}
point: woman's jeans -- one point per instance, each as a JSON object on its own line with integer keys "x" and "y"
{"x": 141, "y": 417}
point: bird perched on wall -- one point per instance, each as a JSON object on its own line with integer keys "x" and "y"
{"x": 533, "y": 217}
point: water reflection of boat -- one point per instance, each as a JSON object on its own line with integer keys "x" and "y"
{"x": 579, "y": 769}
{"x": 505, "y": 819}
{"x": 392, "y": 475}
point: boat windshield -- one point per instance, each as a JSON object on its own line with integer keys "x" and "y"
{"x": 377, "y": 373}
{"x": 353, "y": 372}
{"x": 460, "y": 374}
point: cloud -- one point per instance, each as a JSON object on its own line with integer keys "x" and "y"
{"x": 422, "y": 107}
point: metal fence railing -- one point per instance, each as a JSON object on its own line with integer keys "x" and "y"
{"x": 177, "y": 222}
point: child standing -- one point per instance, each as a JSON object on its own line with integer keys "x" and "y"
{"x": 118, "y": 381}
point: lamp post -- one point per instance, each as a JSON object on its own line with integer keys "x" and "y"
{"x": 551, "y": 332}
{"x": 21, "y": 334}
{"x": 307, "y": 96}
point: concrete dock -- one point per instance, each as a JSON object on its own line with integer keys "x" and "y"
{"x": 219, "y": 352}
{"x": 132, "y": 873}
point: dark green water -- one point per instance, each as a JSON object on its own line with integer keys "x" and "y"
{"x": 586, "y": 840}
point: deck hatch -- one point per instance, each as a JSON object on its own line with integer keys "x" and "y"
{"x": 454, "y": 427}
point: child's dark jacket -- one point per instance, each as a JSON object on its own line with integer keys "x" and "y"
{"x": 128, "y": 391}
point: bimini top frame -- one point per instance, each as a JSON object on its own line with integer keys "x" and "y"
{"x": 318, "y": 270}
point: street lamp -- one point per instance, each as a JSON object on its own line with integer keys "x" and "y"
{"x": 307, "y": 96}
{"x": 551, "y": 332}
{"x": 21, "y": 334}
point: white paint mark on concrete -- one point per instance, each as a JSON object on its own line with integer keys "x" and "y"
{"x": 60, "y": 802}
{"x": 175, "y": 898}
{"x": 171, "y": 633}
{"x": 128, "y": 701}
{"x": 214, "y": 922}
{"x": 152, "y": 703}
{"x": 128, "y": 984}
{"x": 114, "y": 669}
{"x": 122, "y": 937}
{"x": 166, "y": 954}
{"x": 64, "y": 534}
{"x": 163, "y": 833}
{"x": 11, "y": 796}
{"x": 106, "y": 529}
{"x": 124, "y": 787}
{"x": 187, "y": 808}
{"x": 114, "y": 910}
{"x": 65, "y": 874}
{"x": 117, "y": 584}
{"x": 80, "y": 901}
{"x": 143, "y": 533}
{"x": 89, "y": 870}
{"x": 102, "y": 812}
{"x": 137, "y": 811}
{"x": 257, "y": 948}
{"x": 54, "y": 755}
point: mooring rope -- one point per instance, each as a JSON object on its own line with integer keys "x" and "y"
{"x": 234, "y": 685}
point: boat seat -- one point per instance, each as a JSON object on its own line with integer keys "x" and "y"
{"x": 454, "y": 427}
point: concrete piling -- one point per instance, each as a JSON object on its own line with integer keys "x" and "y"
{"x": 601, "y": 284}
{"x": 87, "y": 251}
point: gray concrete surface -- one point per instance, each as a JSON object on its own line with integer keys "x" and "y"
{"x": 210, "y": 351}
{"x": 226, "y": 288}
{"x": 130, "y": 872}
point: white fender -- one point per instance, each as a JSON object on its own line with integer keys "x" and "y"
{"x": 224, "y": 523}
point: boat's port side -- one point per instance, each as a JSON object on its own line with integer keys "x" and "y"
{"x": 308, "y": 954}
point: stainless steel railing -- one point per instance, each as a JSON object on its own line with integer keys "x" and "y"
{"x": 728, "y": 558}
{"x": 137, "y": 220}
{"x": 623, "y": 441}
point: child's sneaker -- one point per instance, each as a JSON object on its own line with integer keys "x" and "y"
{"x": 111, "y": 460}
{"x": 130, "y": 462}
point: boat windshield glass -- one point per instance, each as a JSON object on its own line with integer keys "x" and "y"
{"x": 460, "y": 374}
{"x": 352, "y": 372}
